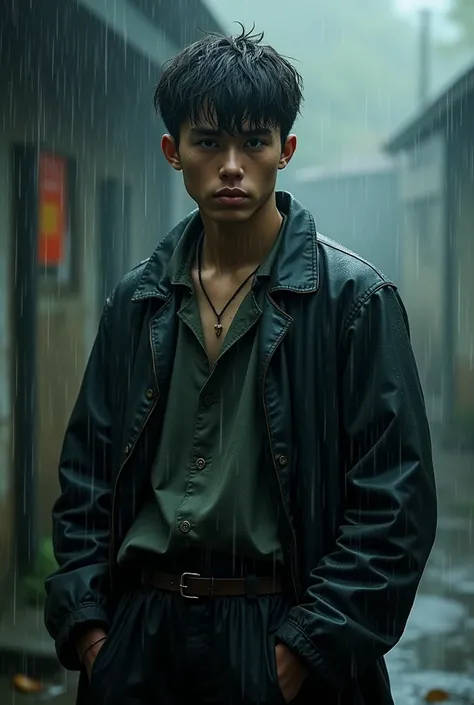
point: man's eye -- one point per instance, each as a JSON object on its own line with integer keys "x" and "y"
{"x": 255, "y": 142}
{"x": 207, "y": 144}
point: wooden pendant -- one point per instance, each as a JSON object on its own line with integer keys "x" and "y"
{"x": 218, "y": 329}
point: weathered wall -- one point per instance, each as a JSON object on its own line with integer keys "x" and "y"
{"x": 358, "y": 211}
{"x": 75, "y": 89}
{"x": 6, "y": 422}
{"x": 422, "y": 227}
{"x": 463, "y": 243}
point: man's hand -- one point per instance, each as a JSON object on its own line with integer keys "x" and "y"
{"x": 291, "y": 672}
{"x": 88, "y": 653}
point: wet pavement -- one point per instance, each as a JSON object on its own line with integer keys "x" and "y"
{"x": 437, "y": 650}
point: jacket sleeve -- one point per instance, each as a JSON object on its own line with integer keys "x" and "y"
{"x": 78, "y": 592}
{"x": 360, "y": 595}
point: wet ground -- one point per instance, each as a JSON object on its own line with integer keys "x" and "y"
{"x": 437, "y": 649}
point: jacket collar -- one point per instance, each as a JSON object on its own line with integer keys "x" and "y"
{"x": 296, "y": 263}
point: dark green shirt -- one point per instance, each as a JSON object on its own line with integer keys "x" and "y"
{"x": 210, "y": 485}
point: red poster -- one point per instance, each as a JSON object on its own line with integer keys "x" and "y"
{"x": 52, "y": 210}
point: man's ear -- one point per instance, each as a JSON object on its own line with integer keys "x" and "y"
{"x": 170, "y": 150}
{"x": 288, "y": 150}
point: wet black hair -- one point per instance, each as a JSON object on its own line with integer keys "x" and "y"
{"x": 229, "y": 81}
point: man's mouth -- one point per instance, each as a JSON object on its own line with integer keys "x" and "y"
{"x": 231, "y": 196}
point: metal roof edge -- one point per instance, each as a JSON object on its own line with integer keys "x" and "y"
{"x": 169, "y": 17}
{"x": 133, "y": 21}
{"x": 134, "y": 27}
{"x": 432, "y": 114}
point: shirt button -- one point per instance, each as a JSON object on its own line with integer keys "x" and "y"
{"x": 200, "y": 463}
{"x": 126, "y": 450}
{"x": 208, "y": 399}
{"x": 185, "y": 526}
{"x": 150, "y": 393}
{"x": 282, "y": 460}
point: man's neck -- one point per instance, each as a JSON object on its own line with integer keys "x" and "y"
{"x": 230, "y": 247}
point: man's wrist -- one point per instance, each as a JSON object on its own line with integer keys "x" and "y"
{"x": 88, "y": 639}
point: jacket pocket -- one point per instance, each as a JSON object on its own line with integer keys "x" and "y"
{"x": 113, "y": 645}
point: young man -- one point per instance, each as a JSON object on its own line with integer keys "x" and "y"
{"x": 247, "y": 494}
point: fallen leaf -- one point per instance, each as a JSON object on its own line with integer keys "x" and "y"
{"x": 25, "y": 684}
{"x": 436, "y": 696}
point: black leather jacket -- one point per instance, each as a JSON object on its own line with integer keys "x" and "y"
{"x": 347, "y": 435}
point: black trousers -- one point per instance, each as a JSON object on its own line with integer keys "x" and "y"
{"x": 164, "y": 649}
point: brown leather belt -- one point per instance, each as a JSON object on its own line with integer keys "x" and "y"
{"x": 192, "y": 585}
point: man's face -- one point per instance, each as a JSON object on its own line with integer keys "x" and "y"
{"x": 229, "y": 176}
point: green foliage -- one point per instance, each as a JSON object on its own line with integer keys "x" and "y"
{"x": 32, "y": 585}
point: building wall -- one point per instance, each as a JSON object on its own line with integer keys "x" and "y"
{"x": 463, "y": 242}
{"x": 358, "y": 211}
{"x": 6, "y": 422}
{"x": 104, "y": 121}
{"x": 422, "y": 225}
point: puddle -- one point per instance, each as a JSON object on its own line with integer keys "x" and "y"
{"x": 459, "y": 579}
{"x": 434, "y": 615}
{"x": 412, "y": 690}
{"x": 435, "y": 652}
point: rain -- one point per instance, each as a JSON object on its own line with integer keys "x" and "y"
{"x": 385, "y": 164}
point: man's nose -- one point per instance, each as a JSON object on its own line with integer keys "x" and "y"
{"x": 231, "y": 166}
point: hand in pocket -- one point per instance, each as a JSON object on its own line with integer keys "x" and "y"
{"x": 92, "y": 652}
{"x": 291, "y": 672}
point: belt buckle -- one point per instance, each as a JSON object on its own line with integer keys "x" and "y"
{"x": 183, "y": 586}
